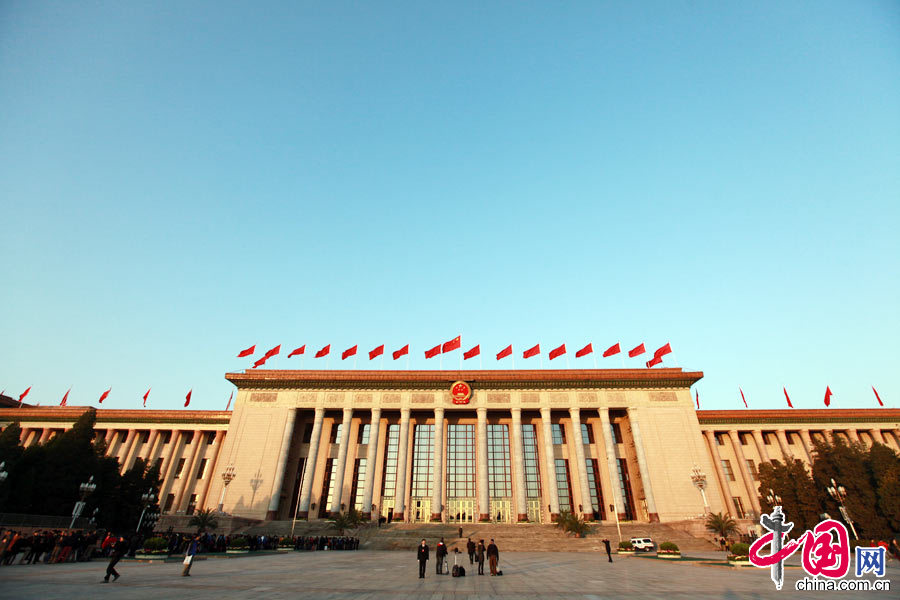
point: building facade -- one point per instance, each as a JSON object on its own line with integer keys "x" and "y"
{"x": 464, "y": 446}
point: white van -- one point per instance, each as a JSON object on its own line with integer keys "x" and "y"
{"x": 642, "y": 544}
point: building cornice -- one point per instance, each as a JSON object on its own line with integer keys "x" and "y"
{"x": 491, "y": 379}
{"x": 116, "y": 415}
{"x": 787, "y": 415}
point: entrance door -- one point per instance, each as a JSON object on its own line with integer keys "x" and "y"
{"x": 534, "y": 511}
{"x": 501, "y": 511}
{"x": 421, "y": 510}
{"x": 461, "y": 510}
{"x": 387, "y": 507}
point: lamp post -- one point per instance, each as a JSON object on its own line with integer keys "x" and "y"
{"x": 839, "y": 493}
{"x": 147, "y": 500}
{"x": 3, "y": 473}
{"x": 698, "y": 478}
{"x": 227, "y": 477}
{"x": 773, "y": 499}
{"x": 86, "y": 489}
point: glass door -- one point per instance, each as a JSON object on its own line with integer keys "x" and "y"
{"x": 421, "y": 510}
{"x": 461, "y": 510}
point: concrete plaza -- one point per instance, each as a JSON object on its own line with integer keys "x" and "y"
{"x": 375, "y": 575}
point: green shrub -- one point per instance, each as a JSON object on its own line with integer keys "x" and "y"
{"x": 238, "y": 542}
{"x": 625, "y": 546}
{"x": 669, "y": 547}
{"x": 740, "y": 549}
{"x": 155, "y": 544}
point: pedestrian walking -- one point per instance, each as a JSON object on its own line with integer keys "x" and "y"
{"x": 608, "y": 549}
{"x": 422, "y": 557}
{"x": 460, "y": 533}
{"x": 493, "y": 555}
{"x": 439, "y": 553}
{"x": 470, "y": 548}
{"x": 189, "y": 553}
{"x": 119, "y": 548}
{"x": 479, "y": 556}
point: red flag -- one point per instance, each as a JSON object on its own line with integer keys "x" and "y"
{"x": 698, "y": 399}
{"x": 348, "y": 352}
{"x": 23, "y": 394}
{"x": 877, "y": 397}
{"x": 145, "y": 397}
{"x": 654, "y": 361}
{"x": 247, "y": 352}
{"x": 556, "y": 352}
{"x": 533, "y": 351}
{"x": 260, "y": 362}
{"x": 296, "y": 351}
{"x": 584, "y": 351}
{"x": 270, "y": 353}
{"x": 65, "y": 398}
{"x": 788, "y": 398}
{"x": 104, "y": 395}
{"x": 614, "y": 349}
{"x": 828, "y": 395}
{"x": 744, "y": 399}
{"x": 398, "y": 353}
{"x": 451, "y": 345}
{"x": 475, "y": 351}
{"x": 505, "y": 352}
{"x": 187, "y": 399}
{"x": 433, "y": 352}
{"x": 227, "y": 406}
{"x": 636, "y": 351}
{"x": 667, "y": 349}
{"x": 324, "y": 351}
{"x": 376, "y": 352}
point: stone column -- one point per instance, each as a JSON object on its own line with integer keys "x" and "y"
{"x": 402, "y": 453}
{"x": 611, "y": 464}
{"x": 371, "y": 453}
{"x": 519, "y": 467}
{"x": 211, "y": 470}
{"x": 829, "y": 435}
{"x": 187, "y": 474}
{"x": 481, "y": 467}
{"x": 761, "y": 445}
{"x": 746, "y": 475}
{"x": 807, "y": 444}
{"x": 135, "y": 449}
{"x": 437, "y": 491}
{"x": 642, "y": 465}
{"x": 341, "y": 463}
{"x": 311, "y": 465}
{"x": 786, "y": 453}
{"x": 549, "y": 466}
{"x": 125, "y": 450}
{"x": 720, "y": 473}
{"x": 286, "y": 437}
{"x": 876, "y": 435}
{"x": 854, "y": 437}
{"x": 23, "y": 435}
{"x": 175, "y": 445}
{"x": 581, "y": 466}
{"x": 45, "y": 435}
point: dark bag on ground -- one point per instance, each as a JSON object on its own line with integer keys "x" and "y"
{"x": 455, "y": 571}
{"x": 499, "y": 572}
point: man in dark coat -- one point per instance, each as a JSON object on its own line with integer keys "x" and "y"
{"x": 479, "y": 556}
{"x": 422, "y": 557}
{"x": 439, "y": 553}
{"x": 493, "y": 555}
{"x": 470, "y": 548}
{"x": 118, "y": 551}
{"x": 608, "y": 550}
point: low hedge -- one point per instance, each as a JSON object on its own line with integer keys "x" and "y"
{"x": 669, "y": 547}
{"x": 626, "y": 546}
{"x": 740, "y": 549}
{"x": 155, "y": 544}
{"x": 238, "y": 542}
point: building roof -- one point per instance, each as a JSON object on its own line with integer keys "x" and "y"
{"x": 794, "y": 415}
{"x": 115, "y": 415}
{"x": 530, "y": 378}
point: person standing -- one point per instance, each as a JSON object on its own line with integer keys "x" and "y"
{"x": 470, "y": 548}
{"x": 608, "y": 550}
{"x": 422, "y": 557}
{"x": 439, "y": 553}
{"x": 493, "y": 555}
{"x": 118, "y": 551}
{"x": 460, "y": 533}
{"x": 479, "y": 556}
{"x": 189, "y": 556}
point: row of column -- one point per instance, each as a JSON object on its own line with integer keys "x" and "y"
{"x": 481, "y": 471}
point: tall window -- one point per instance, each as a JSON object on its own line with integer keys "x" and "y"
{"x": 499, "y": 477}
{"x": 625, "y": 488}
{"x": 423, "y": 461}
{"x": 532, "y": 469}
{"x": 751, "y": 466}
{"x": 593, "y": 475}
{"x": 726, "y": 466}
{"x": 327, "y": 487}
{"x": 358, "y": 487}
{"x": 336, "y": 433}
{"x": 389, "y": 480}
{"x": 363, "y": 434}
{"x": 460, "y": 461}
{"x": 616, "y": 432}
{"x": 564, "y": 484}
{"x": 587, "y": 434}
{"x": 559, "y": 433}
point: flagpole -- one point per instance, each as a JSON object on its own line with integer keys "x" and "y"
{"x": 594, "y": 356}
{"x": 622, "y": 356}
{"x": 674, "y": 359}
{"x": 567, "y": 360}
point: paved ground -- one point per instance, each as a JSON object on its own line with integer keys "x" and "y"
{"x": 367, "y": 575}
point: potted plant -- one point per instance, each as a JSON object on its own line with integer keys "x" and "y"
{"x": 155, "y": 548}
{"x": 625, "y": 547}
{"x": 668, "y": 550}
{"x": 238, "y": 544}
{"x": 739, "y": 555}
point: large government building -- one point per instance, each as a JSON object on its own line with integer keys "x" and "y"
{"x": 464, "y": 446}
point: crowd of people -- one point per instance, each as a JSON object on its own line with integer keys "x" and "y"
{"x": 477, "y": 554}
{"x": 47, "y": 546}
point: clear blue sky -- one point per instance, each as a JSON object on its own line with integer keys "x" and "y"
{"x": 180, "y": 182}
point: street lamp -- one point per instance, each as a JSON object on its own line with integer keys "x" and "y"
{"x": 228, "y": 476}
{"x": 147, "y": 500}
{"x": 839, "y": 493}
{"x": 86, "y": 489}
{"x": 698, "y": 478}
{"x": 3, "y": 473}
